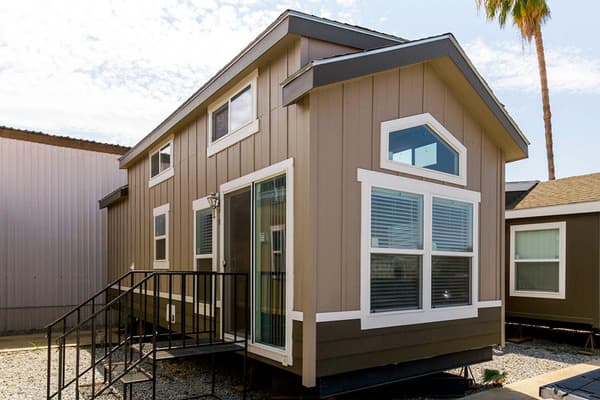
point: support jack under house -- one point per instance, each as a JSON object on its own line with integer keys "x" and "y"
{"x": 129, "y": 337}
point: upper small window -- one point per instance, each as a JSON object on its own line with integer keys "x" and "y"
{"x": 420, "y": 145}
{"x": 161, "y": 163}
{"x": 233, "y": 117}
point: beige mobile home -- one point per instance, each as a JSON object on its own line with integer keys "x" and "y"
{"x": 52, "y": 235}
{"x": 355, "y": 178}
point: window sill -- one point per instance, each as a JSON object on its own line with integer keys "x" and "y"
{"x": 413, "y": 317}
{"x": 538, "y": 295}
{"x": 460, "y": 179}
{"x": 163, "y": 176}
{"x": 160, "y": 264}
{"x": 232, "y": 138}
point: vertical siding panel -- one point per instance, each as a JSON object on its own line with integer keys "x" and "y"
{"x": 411, "y": 90}
{"x": 278, "y": 113}
{"x": 233, "y": 161}
{"x": 472, "y": 142}
{"x": 328, "y": 112}
{"x": 221, "y": 168}
{"x": 211, "y": 175}
{"x": 453, "y": 119}
{"x": 203, "y": 177}
{"x": 385, "y": 107}
{"x": 356, "y": 148}
{"x": 262, "y": 141}
{"x": 434, "y": 93}
{"x": 489, "y": 241}
{"x": 193, "y": 162}
{"x": 247, "y": 155}
{"x": 299, "y": 134}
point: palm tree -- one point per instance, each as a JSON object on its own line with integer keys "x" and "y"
{"x": 528, "y": 16}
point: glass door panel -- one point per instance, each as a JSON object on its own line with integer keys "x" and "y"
{"x": 237, "y": 257}
{"x": 269, "y": 261}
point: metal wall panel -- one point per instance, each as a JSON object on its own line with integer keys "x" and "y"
{"x": 52, "y": 234}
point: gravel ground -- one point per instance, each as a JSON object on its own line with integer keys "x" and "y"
{"x": 23, "y": 373}
{"x": 23, "y": 377}
{"x": 532, "y": 358}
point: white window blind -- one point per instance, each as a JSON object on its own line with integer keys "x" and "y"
{"x": 452, "y": 225}
{"x": 396, "y": 219}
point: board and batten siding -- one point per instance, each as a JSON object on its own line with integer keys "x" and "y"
{"x": 52, "y": 233}
{"x": 345, "y": 122}
{"x": 582, "y": 264}
{"x": 346, "y": 119}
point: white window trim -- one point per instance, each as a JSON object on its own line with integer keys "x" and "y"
{"x": 369, "y": 320}
{"x": 562, "y": 270}
{"x": 167, "y": 173}
{"x": 164, "y": 209}
{"x": 242, "y": 132}
{"x": 283, "y": 356}
{"x": 423, "y": 119}
{"x": 197, "y": 205}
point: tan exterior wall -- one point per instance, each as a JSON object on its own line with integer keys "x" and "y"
{"x": 52, "y": 233}
{"x": 346, "y": 118}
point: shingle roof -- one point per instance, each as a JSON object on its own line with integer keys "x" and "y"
{"x": 575, "y": 189}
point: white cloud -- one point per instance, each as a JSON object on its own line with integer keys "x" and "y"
{"x": 113, "y": 70}
{"x": 511, "y": 66}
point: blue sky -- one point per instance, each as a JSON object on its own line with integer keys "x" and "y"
{"x": 112, "y": 70}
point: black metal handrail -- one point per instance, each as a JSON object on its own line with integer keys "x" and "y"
{"x": 203, "y": 288}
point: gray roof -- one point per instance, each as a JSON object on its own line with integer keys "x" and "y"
{"x": 520, "y": 186}
{"x": 290, "y": 22}
{"x": 340, "y": 68}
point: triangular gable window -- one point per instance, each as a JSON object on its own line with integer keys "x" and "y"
{"x": 420, "y": 145}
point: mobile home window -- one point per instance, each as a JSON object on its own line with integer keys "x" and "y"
{"x": 203, "y": 252}
{"x": 396, "y": 250}
{"x": 161, "y": 163}
{"x": 420, "y": 145}
{"x": 421, "y": 251}
{"x": 538, "y": 260}
{"x": 161, "y": 236}
{"x": 234, "y": 116}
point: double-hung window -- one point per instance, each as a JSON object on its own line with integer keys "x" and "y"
{"x": 233, "y": 116}
{"x": 418, "y": 252}
{"x": 203, "y": 235}
{"x": 161, "y": 163}
{"x": 161, "y": 236}
{"x": 537, "y": 260}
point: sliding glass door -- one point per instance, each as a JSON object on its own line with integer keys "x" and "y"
{"x": 255, "y": 243}
{"x": 269, "y": 261}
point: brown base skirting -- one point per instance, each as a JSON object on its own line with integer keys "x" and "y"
{"x": 372, "y": 377}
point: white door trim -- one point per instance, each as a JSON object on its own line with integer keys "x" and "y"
{"x": 284, "y": 356}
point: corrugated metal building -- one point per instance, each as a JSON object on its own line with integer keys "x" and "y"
{"x": 52, "y": 232}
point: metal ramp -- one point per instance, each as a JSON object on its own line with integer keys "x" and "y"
{"x": 581, "y": 387}
{"x": 133, "y": 327}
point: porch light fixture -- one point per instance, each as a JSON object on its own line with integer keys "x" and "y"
{"x": 213, "y": 200}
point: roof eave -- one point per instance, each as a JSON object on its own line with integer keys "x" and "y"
{"x": 289, "y": 22}
{"x": 342, "y": 68}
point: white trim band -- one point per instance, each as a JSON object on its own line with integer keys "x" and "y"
{"x": 563, "y": 209}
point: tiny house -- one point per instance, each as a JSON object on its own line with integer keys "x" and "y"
{"x": 52, "y": 234}
{"x": 359, "y": 178}
{"x": 552, "y": 253}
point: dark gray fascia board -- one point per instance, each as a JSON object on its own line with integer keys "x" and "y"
{"x": 114, "y": 197}
{"x": 338, "y": 69}
{"x": 290, "y": 22}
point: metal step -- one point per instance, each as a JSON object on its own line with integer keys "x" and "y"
{"x": 85, "y": 392}
{"x": 137, "y": 374}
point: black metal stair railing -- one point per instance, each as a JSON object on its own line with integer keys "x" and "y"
{"x": 130, "y": 332}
